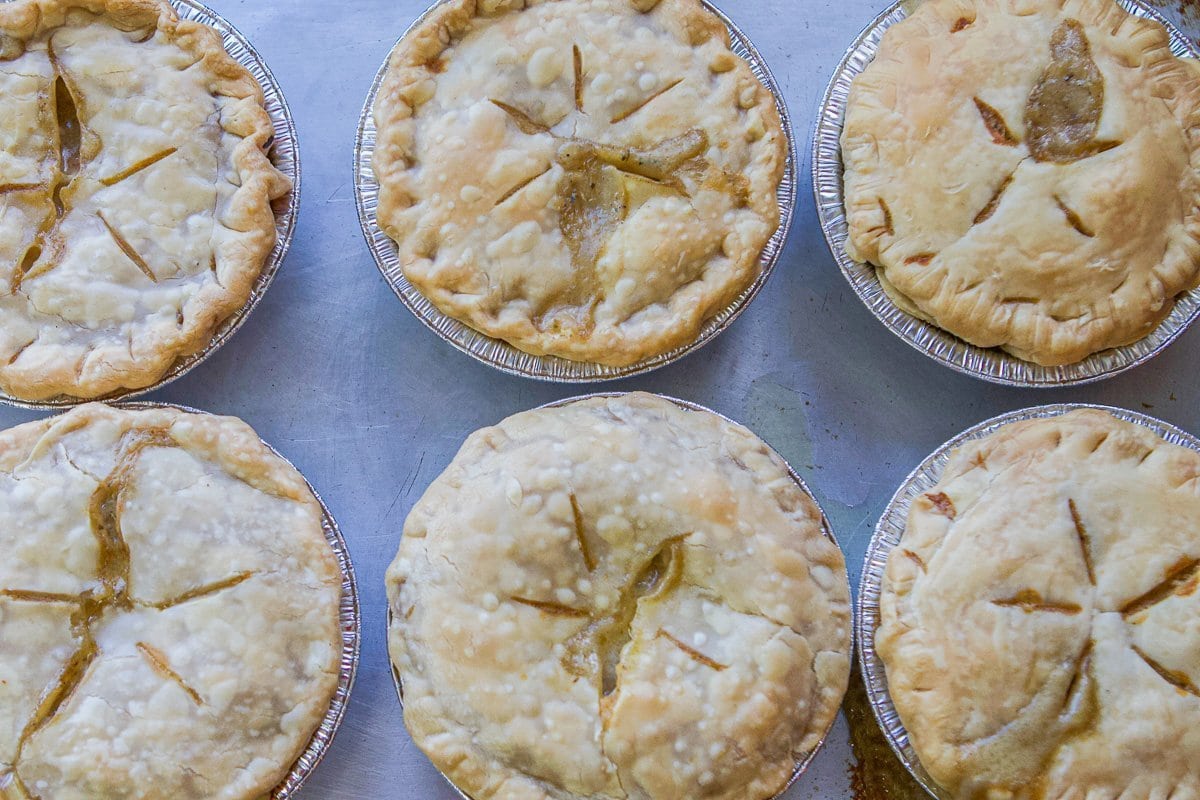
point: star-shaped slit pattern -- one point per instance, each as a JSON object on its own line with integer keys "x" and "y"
{"x": 1081, "y": 701}
{"x": 109, "y": 594}
{"x": 1062, "y": 116}
{"x": 603, "y": 184}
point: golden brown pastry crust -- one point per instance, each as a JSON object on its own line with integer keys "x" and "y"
{"x": 82, "y": 316}
{"x": 168, "y": 585}
{"x": 959, "y": 187}
{"x": 590, "y": 179}
{"x": 1039, "y": 615}
{"x": 618, "y": 598}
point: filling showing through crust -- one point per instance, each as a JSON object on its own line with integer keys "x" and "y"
{"x": 135, "y": 193}
{"x": 1037, "y": 619}
{"x": 110, "y": 596}
{"x": 1024, "y": 176}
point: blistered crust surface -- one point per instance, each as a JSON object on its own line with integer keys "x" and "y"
{"x": 618, "y": 599}
{"x": 171, "y": 604}
{"x": 1039, "y": 616}
{"x": 135, "y": 193}
{"x": 1020, "y": 186}
{"x": 590, "y": 179}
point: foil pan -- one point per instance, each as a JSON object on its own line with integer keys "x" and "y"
{"x": 887, "y": 536}
{"x": 826, "y": 530}
{"x": 499, "y": 353}
{"x": 349, "y": 622}
{"x": 990, "y": 364}
{"x": 284, "y": 154}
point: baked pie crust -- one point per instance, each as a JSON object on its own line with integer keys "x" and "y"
{"x": 1025, "y": 173}
{"x": 168, "y": 607}
{"x": 1040, "y": 620}
{"x": 618, "y": 598}
{"x": 590, "y": 179}
{"x": 135, "y": 193}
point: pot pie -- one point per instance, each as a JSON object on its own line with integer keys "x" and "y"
{"x": 1024, "y": 173}
{"x": 618, "y": 598}
{"x": 169, "y": 608}
{"x": 1040, "y": 625}
{"x": 589, "y": 179}
{"x": 135, "y": 193}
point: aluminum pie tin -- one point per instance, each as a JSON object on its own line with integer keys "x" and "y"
{"x": 888, "y": 534}
{"x": 826, "y": 530}
{"x": 499, "y": 353}
{"x": 349, "y": 622}
{"x": 284, "y": 154}
{"x": 990, "y": 364}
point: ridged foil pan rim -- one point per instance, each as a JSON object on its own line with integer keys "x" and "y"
{"x": 826, "y": 530}
{"x": 989, "y": 364}
{"x": 349, "y": 623}
{"x": 887, "y": 536}
{"x": 499, "y": 353}
{"x": 284, "y": 154}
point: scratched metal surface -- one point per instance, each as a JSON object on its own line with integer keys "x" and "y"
{"x": 333, "y": 371}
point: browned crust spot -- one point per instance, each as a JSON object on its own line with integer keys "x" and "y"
{"x": 17, "y": 353}
{"x": 127, "y": 248}
{"x": 916, "y": 559}
{"x": 138, "y": 166}
{"x": 553, "y": 609}
{"x": 1030, "y": 600}
{"x": 577, "y": 57}
{"x": 1178, "y": 578}
{"x": 942, "y": 503}
{"x": 1085, "y": 541}
{"x": 1073, "y": 219}
{"x": 158, "y": 662}
{"x": 63, "y": 688}
{"x": 1179, "y": 680}
{"x": 887, "y": 217}
{"x": 692, "y": 652}
{"x": 589, "y": 560}
{"x": 994, "y": 202}
{"x": 523, "y": 121}
{"x": 28, "y": 596}
{"x": 520, "y": 186}
{"x": 203, "y": 591}
{"x": 624, "y": 115}
{"x": 997, "y": 128}
{"x": 960, "y": 24}
{"x": 920, "y": 258}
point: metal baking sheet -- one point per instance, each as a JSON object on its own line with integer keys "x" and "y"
{"x": 371, "y": 405}
{"x": 991, "y": 364}
{"x": 808, "y": 757}
{"x": 504, "y": 356}
{"x": 888, "y": 534}
{"x": 285, "y": 155}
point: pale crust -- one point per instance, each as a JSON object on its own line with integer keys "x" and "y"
{"x": 84, "y": 318}
{"x": 1074, "y": 257}
{"x": 167, "y": 578}
{"x": 672, "y": 546}
{"x": 476, "y": 204}
{"x": 1039, "y": 616}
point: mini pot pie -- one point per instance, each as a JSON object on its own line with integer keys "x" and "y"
{"x": 135, "y": 193}
{"x": 1040, "y": 621}
{"x": 1025, "y": 173}
{"x": 618, "y": 598}
{"x": 589, "y": 179}
{"x": 169, "y": 608}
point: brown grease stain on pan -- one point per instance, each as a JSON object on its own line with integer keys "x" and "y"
{"x": 1186, "y": 11}
{"x": 876, "y": 773}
